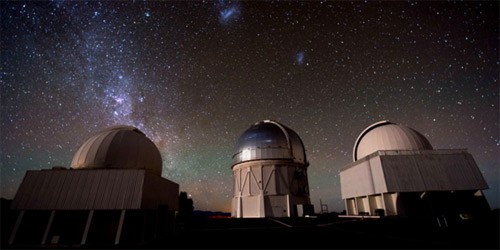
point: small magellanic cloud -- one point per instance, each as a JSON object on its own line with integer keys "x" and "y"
{"x": 299, "y": 57}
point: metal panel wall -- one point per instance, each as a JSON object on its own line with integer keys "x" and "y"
{"x": 255, "y": 180}
{"x": 357, "y": 180}
{"x": 245, "y": 176}
{"x": 94, "y": 189}
{"x": 276, "y": 206}
{"x": 377, "y": 176}
{"x": 268, "y": 174}
{"x": 160, "y": 191}
{"x": 281, "y": 179}
{"x": 235, "y": 209}
{"x": 390, "y": 200}
{"x": 439, "y": 171}
{"x": 258, "y": 180}
{"x": 402, "y": 174}
{"x": 251, "y": 207}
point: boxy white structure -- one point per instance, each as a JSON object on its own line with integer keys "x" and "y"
{"x": 112, "y": 195}
{"x": 397, "y": 172}
{"x": 270, "y": 173}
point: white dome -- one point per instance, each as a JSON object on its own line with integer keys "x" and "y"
{"x": 122, "y": 147}
{"x": 385, "y": 135}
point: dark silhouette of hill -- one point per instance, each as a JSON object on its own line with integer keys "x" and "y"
{"x": 208, "y": 214}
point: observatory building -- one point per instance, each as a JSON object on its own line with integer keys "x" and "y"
{"x": 113, "y": 194}
{"x": 270, "y": 173}
{"x": 396, "y": 171}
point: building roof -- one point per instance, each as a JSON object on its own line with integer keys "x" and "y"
{"x": 121, "y": 147}
{"x": 269, "y": 140}
{"x": 385, "y": 135}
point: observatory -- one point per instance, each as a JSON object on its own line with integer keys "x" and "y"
{"x": 396, "y": 171}
{"x": 119, "y": 147}
{"x": 270, "y": 173}
{"x": 112, "y": 194}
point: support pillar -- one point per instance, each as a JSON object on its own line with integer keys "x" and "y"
{"x": 356, "y": 210}
{"x": 369, "y": 205}
{"x": 239, "y": 214}
{"x": 345, "y": 205}
{"x": 16, "y": 227}
{"x": 288, "y": 208}
{"x": 87, "y": 227}
{"x": 120, "y": 226}
{"x": 262, "y": 205}
{"x": 382, "y": 195}
{"x": 49, "y": 225}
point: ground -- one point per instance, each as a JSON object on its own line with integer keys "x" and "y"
{"x": 322, "y": 231}
{"x": 332, "y": 232}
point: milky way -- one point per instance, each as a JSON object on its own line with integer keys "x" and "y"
{"x": 193, "y": 76}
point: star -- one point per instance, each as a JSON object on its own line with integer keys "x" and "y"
{"x": 194, "y": 75}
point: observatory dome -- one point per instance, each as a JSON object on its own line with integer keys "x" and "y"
{"x": 269, "y": 140}
{"x": 121, "y": 147}
{"x": 385, "y": 135}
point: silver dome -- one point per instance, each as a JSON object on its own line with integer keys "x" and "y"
{"x": 122, "y": 147}
{"x": 385, "y": 135}
{"x": 269, "y": 140}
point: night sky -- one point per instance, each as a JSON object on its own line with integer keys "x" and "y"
{"x": 193, "y": 76}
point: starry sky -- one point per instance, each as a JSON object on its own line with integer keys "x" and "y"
{"x": 194, "y": 75}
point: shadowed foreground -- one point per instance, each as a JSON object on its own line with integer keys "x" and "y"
{"x": 322, "y": 232}
{"x": 336, "y": 233}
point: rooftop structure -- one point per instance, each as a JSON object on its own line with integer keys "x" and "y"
{"x": 270, "y": 173}
{"x": 112, "y": 194}
{"x": 385, "y": 135}
{"x": 118, "y": 147}
{"x": 397, "y": 172}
